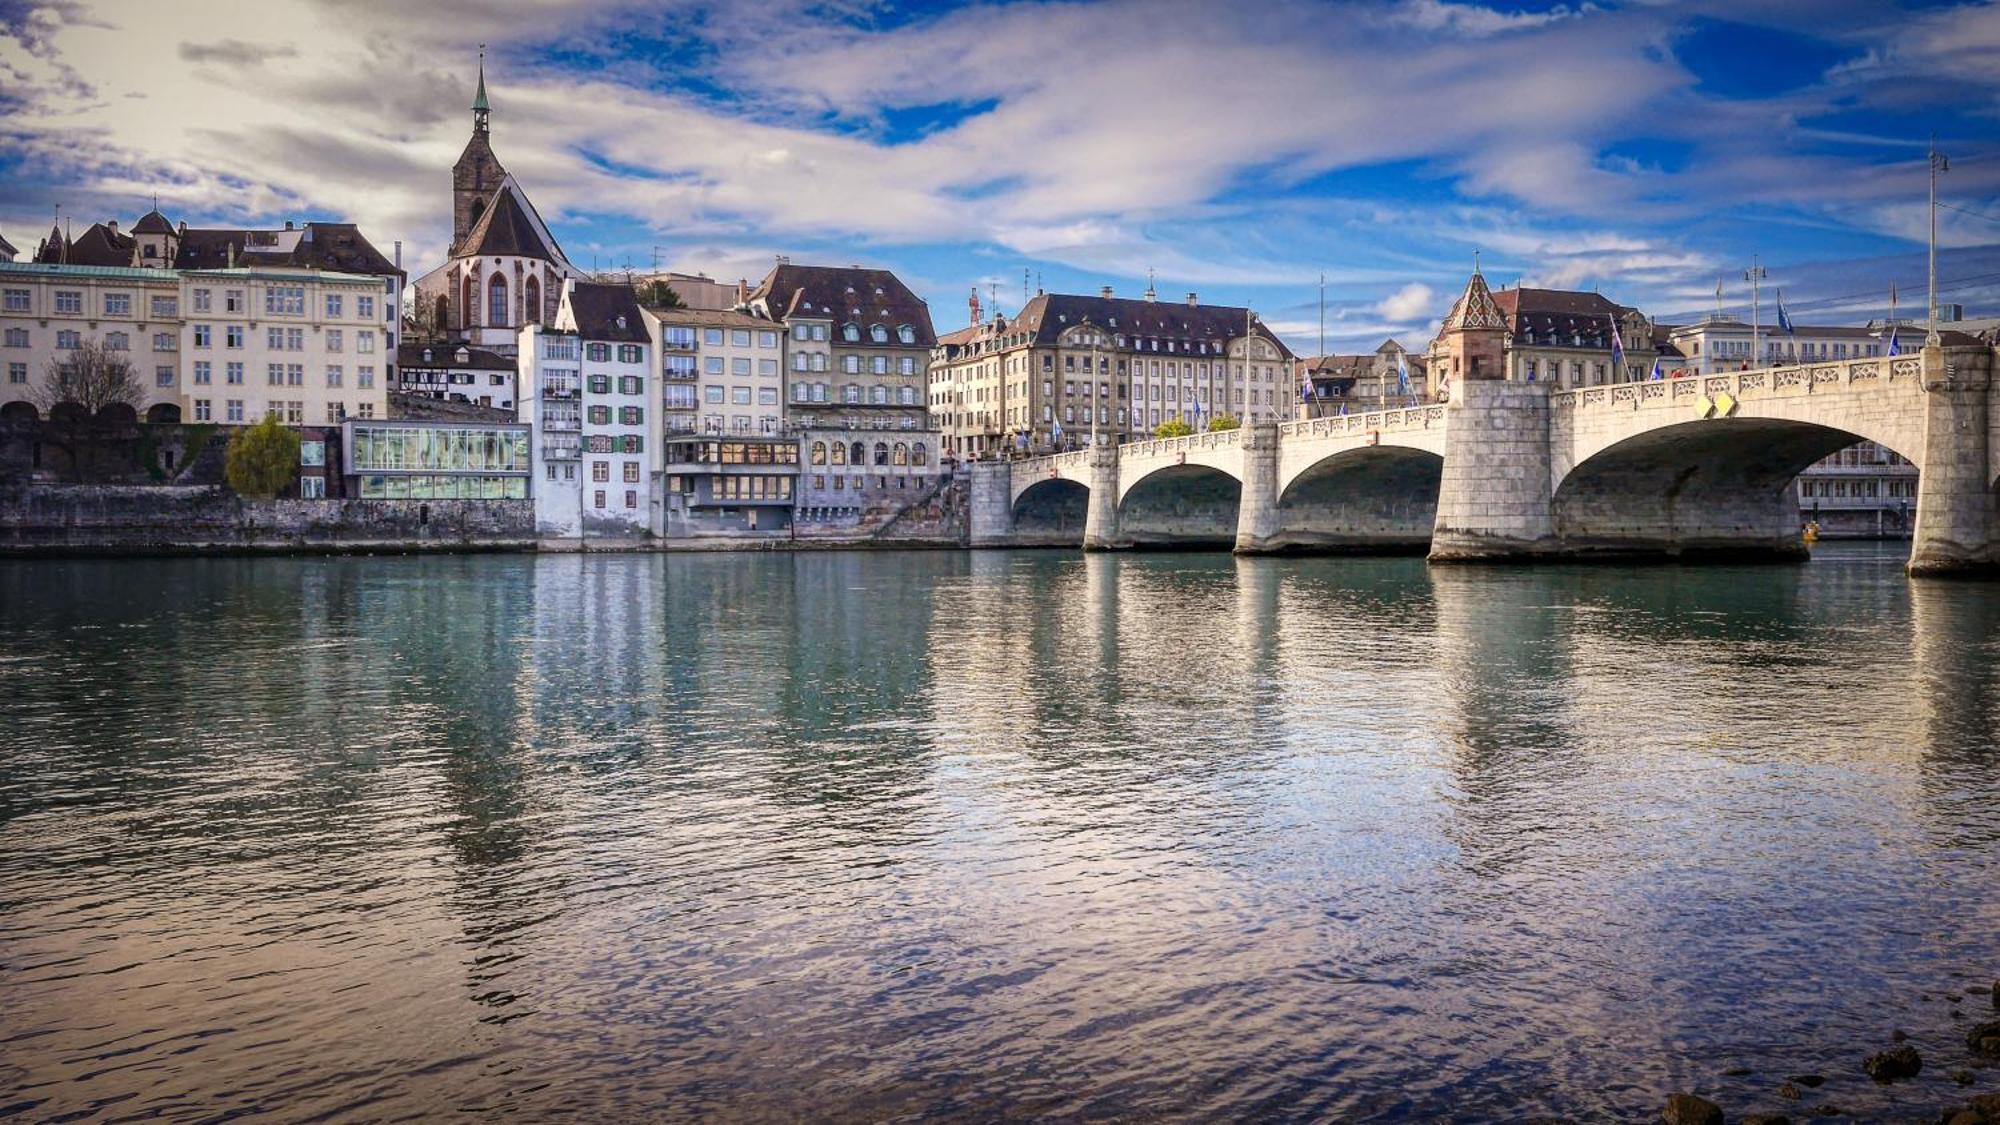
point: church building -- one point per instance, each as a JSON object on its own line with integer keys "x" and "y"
{"x": 505, "y": 269}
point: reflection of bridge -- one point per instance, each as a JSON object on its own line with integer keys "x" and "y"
{"x": 1693, "y": 466}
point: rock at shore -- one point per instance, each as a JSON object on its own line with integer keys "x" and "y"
{"x": 1893, "y": 1064}
{"x": 1790, "y": 1092}
{"x": 1985, "y": 1038}
{"x": 1810, "y": 1081}
{"x": 1763, "y": 1119}
{"x": 1686, "y": 1109}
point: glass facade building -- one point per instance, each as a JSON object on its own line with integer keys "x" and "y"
{"x": 437, "y": 460}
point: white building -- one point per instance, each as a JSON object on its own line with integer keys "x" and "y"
{"x": 1720, "y": 342}
{"x": 307, "y": 347}
{"x": 586, "y": 387}
{"x": 49, "y": 310}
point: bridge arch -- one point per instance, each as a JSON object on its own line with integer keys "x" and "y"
{"x": 1702, "y": 485}
{"x": 1052, "y": 510}
{"x": 1370, "y": 498}
{"x": 1180, "y": 505}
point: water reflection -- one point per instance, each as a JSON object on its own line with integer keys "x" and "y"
{"x": 984, "y": 834}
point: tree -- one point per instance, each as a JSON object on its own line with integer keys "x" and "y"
{"x": 420, "y": 319}
{"x": 262, "y": 459}
{"x": 1172, "y": 427}
{"x": 1224, "y": 422}
{"x": 660, "y": 295}
{"x": 91, "y": 376}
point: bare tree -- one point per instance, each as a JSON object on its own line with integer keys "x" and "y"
{"x": 91, "y": 376}
{"x": 421, "y": 324}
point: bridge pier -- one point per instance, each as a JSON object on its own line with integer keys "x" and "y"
{"x": 1258, "y": 521}
{"x": 1100, "y": 525}
{"x": 991, "y": 504}
{"x": 1494, "y": 499}
{"x": 1957, "y": 531}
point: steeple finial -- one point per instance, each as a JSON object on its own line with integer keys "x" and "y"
{"x": 1475, "y": 259}
{"x": 479, "y": 106}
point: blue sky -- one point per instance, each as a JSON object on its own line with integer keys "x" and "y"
{"x": 1239, "y": 151}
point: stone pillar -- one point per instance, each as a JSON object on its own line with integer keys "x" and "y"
{"x": 990, "y": 507}
{"x": 1100, "y": 523}
{"x": 1955, "y": 527}
{"x": 1494, "y": 497}
{"x": 1257, "y": 522}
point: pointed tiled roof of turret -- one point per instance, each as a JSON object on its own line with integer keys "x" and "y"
{"x": 1476, "y": 310}
{"x": 152, "y": 222}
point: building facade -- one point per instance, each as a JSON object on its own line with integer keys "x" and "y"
{"x": 1720, "y": 342}
{"x": 457, "y": 373}
{"x": 306, "y": 347}
{"x": 1560, "y": 336}
{"x": 1359, "y": 382}
{"x": 410, "y": 460}
{"x": 857, "y": 340}
{"x": 48, "y": 311}
{"x": 1068, "y": 367}
{"x": 586, "y": 388}
{"x": 722, "y": 372}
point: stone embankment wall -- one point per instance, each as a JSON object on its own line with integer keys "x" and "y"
{"x": 120, "y": 519}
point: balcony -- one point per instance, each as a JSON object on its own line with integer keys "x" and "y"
{"x": 562, "y": 423}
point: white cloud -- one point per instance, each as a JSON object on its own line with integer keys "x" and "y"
{"x": 1410, "y": 302}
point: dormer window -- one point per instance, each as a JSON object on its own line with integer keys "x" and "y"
{"x": 851, "y": 333}
{"x": 878, "y": 334}
{"x": 906, "y": 334}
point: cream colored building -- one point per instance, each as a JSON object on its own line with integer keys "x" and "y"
{"x": 305, "y": 346}
{"x": 48, "y": 310}
{"x": 723, "y": 372}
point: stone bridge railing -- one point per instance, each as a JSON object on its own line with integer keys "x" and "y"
{"x": 1413, "y": 417}
{"x": 1802, "y": 379}
{"x": 1188, "y": 443}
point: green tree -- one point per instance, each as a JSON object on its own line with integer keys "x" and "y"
{"x": 660, "y": 295}
{"x": 262, "y": 459}
{"x": 1224, "y": 422}
{"x": 1172, "y": 427}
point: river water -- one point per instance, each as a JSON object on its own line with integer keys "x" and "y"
{"x": 990, "y": 835}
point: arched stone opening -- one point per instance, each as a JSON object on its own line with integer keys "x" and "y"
{"x": 1052, "y": 512}
{"x": 1700, "y": 488}
{"x": 1190, "y": 507}
{"x": 163, "y": 413}
{"x": 1374, "y": 500}
{"x": 20, "y": 411}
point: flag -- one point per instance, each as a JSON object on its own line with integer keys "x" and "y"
{"x": 1307, "y": 391}
{"x": 1443, "y": 384}
{"x": 1784, "y": 318}
{"x": 1402, "y": 375}
{"x": 1895, "y": 345}
{"x": 1657, "y": 373}
{"x": 1617, "y": 347}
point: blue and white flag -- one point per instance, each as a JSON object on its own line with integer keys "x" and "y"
{"x": 1895, "y": 345}
{"x": 1617, "y": 347}
{"x": 1055, "y": 430}
{"x": 1402, "y": 375}
{"x": 1657, "y": 374}
{"x": 1307, "y": 391}
{"x": 1785, "y": 318}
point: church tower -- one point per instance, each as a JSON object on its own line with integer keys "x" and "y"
{"x": 478, "y": 172}
{"x": 1473, "y": 342}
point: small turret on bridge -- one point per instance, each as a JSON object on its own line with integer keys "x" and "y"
{"x": 1703, "y": 466}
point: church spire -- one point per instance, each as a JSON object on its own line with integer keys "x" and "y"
{"x": 479, "y": 107}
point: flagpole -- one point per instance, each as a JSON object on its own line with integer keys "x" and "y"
{"x": 1938, "y": 164}
{"x": 1755, "y": 276}
{"x": 1310, "y": 412}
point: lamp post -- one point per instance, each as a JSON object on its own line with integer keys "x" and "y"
{"x": 1755, "y": 276}
{"x": 1938, "y": 164}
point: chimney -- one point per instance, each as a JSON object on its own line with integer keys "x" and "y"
{"x": 742, "y": 289}
{"x": 972, "y": 303}
{"x": 113, "y": 225}
{"x": 1105, "y": 292}
{"x": 1191, "y": 301}
{"x": 399, "y": 254}
{"x": 288, "y": 224}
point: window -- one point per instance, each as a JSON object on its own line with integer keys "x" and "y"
{"x": 878, "y": 334}
{"x": 204, "y": 373}
{"x": 878, "y": 365}
{"x": 201, "y": 300}
{"x": 851, "y": 393}
{"x": 234, "y": 410}
{"x": 274, "y": 339}
{"x": 17, "y": 337}
{"x": 631, "y": 498}
{"x": 364, "y": 377}
{"x": 801, "y": 332}
{"x": 599, "y": 415}
{"x": 839, "y": 454}
{"x": 163, "y": 376}
{"x": 739, "y": 366}
{"x": 598, "y": 498}
{"x": 166, "y": 342}
{"x": 333, "y": 304}
{"x": 333, "y": 375}
{"x": 711, "y": 393}
{"x": 118, "y": 304}
{"x": 818, "y": 456}
{"x": 767, "y": 367}
{"x": 597, "y": 353}
{"x": 906, "y": 334}
{"x": 233, "y": 373}
{"x": 16, "y": 300}
{"x": 232, "y": 336}
{"x": 285, "y": 300}
{"x": 364, "y": 307}
{"x": 165, "y": 307}
{"x": 631, "y": 472}
{"x": 878, "y": 395}
{"x": 600, "y": 471}
{"x": 630, "y": 385}
{"x": 364, "y": 342}
{"x": 69, "y": 301}
{"x": 851, "y": 333}
{"x": 800, "y": 392}
{"x": 335, "y": 339}
{"x": 767, "y": 396}
{"x": 629, "y": 353}
{"x": 631, "y": 415}
{"x": 739, "y": 337}
{"x": 203, "y": 411}
{"x": 295, "y": 374}
{"x": 740, "y": 395}
{"x": 767, "y": 339}
{"x": 906, "y": 365}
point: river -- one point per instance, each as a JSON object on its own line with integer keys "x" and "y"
{"x": 990, "y": 835}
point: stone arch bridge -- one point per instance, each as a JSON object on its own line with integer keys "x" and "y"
{"x": 1701, "y": 466}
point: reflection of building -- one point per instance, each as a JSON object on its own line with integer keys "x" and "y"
{"x": 1004, "y": 382}
{"x": 1863, "y": 491}
{"x": 858, "y": 342}
{"x": 457, "y": 373}
{"x": 1558, "y": 336}
{"x": 1358, "y": 381}
{"x": 722, "y": 372}
{"x": 584, "y": 387}
{"x": 505, "y": 269}
{"x": 435, "y": 460}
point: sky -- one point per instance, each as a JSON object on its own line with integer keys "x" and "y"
{"x": 1242, "y": 151}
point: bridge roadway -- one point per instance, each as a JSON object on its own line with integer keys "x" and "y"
{"x": 1696, "y": 467}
